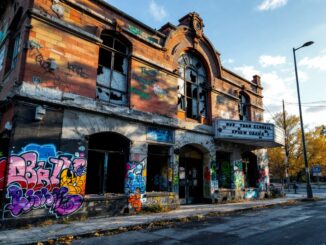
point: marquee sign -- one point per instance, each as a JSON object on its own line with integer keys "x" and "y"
{"x": 232, "y": 129}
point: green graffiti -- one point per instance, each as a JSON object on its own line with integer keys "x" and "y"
{"x": 143, "y": 80}
{"x": 140, "y": 93}
{"x": 135, "y": 30}
{"x": 213, "y": 170}
{"x": 238, "y": 177}
{"x": 149, "y": 72}
{"x": 152, "y": 39}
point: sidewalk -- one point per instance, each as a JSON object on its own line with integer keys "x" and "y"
{"x": 103, "y": 224}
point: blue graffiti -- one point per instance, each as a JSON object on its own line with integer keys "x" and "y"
{"x": 135, "y": 179}
{"x": 44, "y": 151}
{"x": 251, "y": 194}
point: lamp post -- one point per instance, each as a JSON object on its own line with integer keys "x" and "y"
{"x": 309, "y": 190}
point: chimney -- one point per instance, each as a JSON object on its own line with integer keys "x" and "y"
{"x": 256, "y": 80}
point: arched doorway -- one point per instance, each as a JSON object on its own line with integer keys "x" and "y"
{"x": 250, "y": 169}
{"x": 190, "y": 175}
{"x": 108, "y": 154}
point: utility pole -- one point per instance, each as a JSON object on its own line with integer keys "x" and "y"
{"x": 286, "y": 160}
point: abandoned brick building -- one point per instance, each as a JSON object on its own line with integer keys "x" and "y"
{"x": 101, "y": 113}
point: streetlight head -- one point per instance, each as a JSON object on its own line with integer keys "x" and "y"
{"x": 308, "y": 44}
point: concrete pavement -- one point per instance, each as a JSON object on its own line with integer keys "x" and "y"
{"x": 123, "y": 223}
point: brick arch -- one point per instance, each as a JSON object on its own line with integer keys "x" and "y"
{"x": 181, "y": 40}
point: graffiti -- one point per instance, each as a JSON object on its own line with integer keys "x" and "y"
{"x": 263, "y": 181}
{"x": 160, "y": 135}
{"x": 238, "y": 176}
{"x": 41, "y": 177}
{"x": 136, "y": 177}
{"x": 140, "y": 93}
{"x": 134, "y": 201}
{"x": 251, "y": 194}
{"x": 175, "y": 181}
{"x": 159, "y": 91}
{"x": 207, "y": 181}
{"x": 3, "y": 164}
{"x": 134, "y": 30}
{"x": 77, "y": 69}
{"x": 47, "y": 64}
{"x": 147, "y": 78}
{"x": 152, "y": 39}
{"x": 214, "y": 182}
{"x": 2, "y": 56}
{"x": 59, "y": 202}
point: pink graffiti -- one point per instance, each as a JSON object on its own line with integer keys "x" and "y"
{"x": 30, "y": 173}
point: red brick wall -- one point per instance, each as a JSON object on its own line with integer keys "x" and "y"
{"x": 76, "y": 60}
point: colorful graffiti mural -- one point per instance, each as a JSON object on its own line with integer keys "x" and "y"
{"x": 136, "y": 177}
{"x": 263, "y": 181}
{"x": 238, "y": 176}
{"x": 135, "y": 201}
{"x": 135, "y": 184}
{"x": 41, "y": 177}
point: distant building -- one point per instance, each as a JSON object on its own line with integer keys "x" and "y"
{"x": 100, "y": 112}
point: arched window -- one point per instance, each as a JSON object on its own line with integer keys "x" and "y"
{"x": 112, "y": 70}
{"x": 244, "y": 107}
{"x": 192, "y": 86}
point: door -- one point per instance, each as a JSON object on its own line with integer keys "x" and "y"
{"x": 190, "y": 180}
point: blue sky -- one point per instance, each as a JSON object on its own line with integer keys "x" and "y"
{"x": 257, "y": 37}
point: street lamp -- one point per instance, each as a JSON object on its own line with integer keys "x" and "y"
{"x": 309, "y": 190}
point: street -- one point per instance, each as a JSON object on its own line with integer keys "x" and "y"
{"x": 300, "y": 224}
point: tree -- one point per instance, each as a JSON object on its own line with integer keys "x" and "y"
{"x": 277, "y": 155}
{"x": 315, "y": 146}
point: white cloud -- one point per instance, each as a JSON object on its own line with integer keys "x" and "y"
{"x": 303, "y": 77}
{"x": 228, "y": 61}
{"x": 267, "y": 60}
{"x": 247, "y": 71}
{"x": 278, "y": 87}
{"x": 157, "y": 11}
{"x": 318, "y": 62}
{"x": 271, "y": 4}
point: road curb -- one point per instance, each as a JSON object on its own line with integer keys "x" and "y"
{"x": 157, "y": 223}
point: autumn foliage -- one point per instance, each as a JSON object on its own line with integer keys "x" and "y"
{"x": 315, "y": 145}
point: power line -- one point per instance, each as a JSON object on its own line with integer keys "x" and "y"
{"x": 273, "y": 116}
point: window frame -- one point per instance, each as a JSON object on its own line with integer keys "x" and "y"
{"x": 183, "y": 98}
{"x": 114, "y": 53}
{"x": 12, "y": 53}
{"x": 244, "y": 106}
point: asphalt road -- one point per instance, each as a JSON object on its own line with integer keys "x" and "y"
{"x": 300, "y": 224}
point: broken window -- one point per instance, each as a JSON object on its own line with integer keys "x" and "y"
{"x": 112, "y": 70}
{"x": 192, "y": 84}
{"x": 244, "y": 112}
{"x": 158, "y": 168}
{"x": 108, "y": 154}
